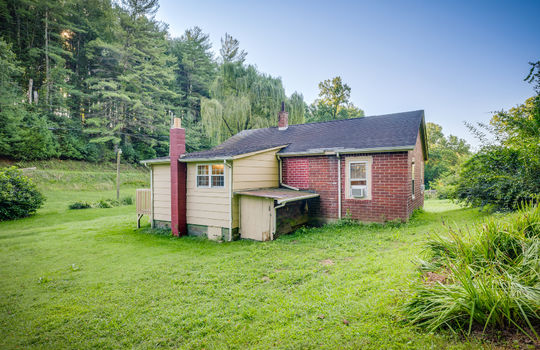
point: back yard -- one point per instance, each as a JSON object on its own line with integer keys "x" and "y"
{"x": 88, "y": 278}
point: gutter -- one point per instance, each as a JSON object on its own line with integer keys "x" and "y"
{"x": 281, "y": 184}
{"x": 325, "y": 152}
{"x": 155, "y": 161}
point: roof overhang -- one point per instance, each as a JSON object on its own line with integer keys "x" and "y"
{"x": 155, "y": 161}
{"x": 280, "y": 195}
{"x": 332, "y": 151}
{"x": 424, "y": 137}
{"x": 238, "y": 156}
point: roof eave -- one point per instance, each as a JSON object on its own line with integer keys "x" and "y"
{"x": 190, "y": 160}
{"x": 238, "y": 156}
{"x": 155, "y": 161}
{"x": 348, "y": 151}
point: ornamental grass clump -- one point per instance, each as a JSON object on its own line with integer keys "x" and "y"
{"x": 487, "y": 279}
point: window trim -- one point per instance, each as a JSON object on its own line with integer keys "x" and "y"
{"x": 210, "y": 175}
{"x": 368, "y": 161}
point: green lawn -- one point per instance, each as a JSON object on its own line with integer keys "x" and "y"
{"x": 89, "y": 279}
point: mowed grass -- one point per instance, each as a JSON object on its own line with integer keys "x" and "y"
{"x": 90, "y": 279}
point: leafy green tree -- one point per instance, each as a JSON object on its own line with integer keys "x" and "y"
{"x": 243, "y": 98}
{"x": 81, "y": 78}
{"x": 333, "y": 102}
{"x": 505, "y": 173}
{"x": 446, "y": 153}
{"x": 132, "y": 85}
{"x": 11, "y": 112}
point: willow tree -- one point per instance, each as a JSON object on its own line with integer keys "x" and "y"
{"x": 243, "y": 98}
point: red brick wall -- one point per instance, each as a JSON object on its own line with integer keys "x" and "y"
{"x": 296, "y": 174}
{"x": 177, "y": 147}
{"x": 390, "y": 185}
{"x": 388, "y": 189}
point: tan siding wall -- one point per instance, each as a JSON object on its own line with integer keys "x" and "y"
{"x": 207, "y": 206}
{"x": 162, "y": 191}
{"x": 256, "y": 171}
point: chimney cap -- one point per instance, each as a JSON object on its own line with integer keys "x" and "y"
{"x": 177, "y": 123}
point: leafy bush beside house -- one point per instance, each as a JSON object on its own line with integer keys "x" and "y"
{"x": 19, "y": 196}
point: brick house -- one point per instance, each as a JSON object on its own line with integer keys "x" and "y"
{"x": 265, "y": 182}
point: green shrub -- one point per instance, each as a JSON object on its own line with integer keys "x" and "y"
{"x": 487, "y": 279}
{"x": 127, "y": 200}
{"x": 19, "y": 196}
{"x": 102, "y": 203}
{"x": 80, "y": 205}
{"x": 500, "y": 177}
{"x": 106, "y": 203}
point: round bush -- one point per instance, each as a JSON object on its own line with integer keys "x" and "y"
{"x": 19, "y": 196}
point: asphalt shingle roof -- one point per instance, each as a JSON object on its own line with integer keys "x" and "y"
{"x": 387, "y": 131}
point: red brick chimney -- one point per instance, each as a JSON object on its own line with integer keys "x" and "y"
{"x": 283, "y": 118}
{"x": 178, "y": 179}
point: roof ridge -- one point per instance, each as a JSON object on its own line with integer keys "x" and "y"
{"x": 358, "y": 118}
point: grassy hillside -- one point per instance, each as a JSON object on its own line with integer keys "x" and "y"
{"x": 77, "y": 175}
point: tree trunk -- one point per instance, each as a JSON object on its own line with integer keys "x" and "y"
{"x": 47, "y": 68}
{"x": 30, "y": 84}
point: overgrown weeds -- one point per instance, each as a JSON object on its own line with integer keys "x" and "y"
{"x": 488, "y": 278}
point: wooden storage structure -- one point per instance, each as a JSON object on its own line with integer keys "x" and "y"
{"x": 267, "y": 212}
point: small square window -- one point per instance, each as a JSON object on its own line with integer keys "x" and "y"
{"x": 211, "y": 175}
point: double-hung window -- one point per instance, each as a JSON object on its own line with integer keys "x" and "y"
{"x": 358, "y": 181}
{"x": 210, "y": 175}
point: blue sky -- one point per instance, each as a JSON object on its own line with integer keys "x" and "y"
{"x": 457, "y": 60}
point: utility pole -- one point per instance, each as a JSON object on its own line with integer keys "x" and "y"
{"x": 118, "y": 174}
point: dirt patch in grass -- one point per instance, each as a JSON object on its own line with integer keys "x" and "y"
{"x": 327, "y": 262}
{"x": 433, "y": 277}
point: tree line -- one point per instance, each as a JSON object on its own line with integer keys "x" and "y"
{"x": 81, "y": 78}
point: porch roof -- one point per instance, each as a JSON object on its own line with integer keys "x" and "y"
{"x": 281, "y": 195}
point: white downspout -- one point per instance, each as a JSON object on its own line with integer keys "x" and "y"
{"x": 339, "y": 184}
{"x": 230, "y": 198}
{"x": 281, "y": 184}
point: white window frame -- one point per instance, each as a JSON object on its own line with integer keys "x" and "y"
{"x": 356, "y": 160}
{"x": 210, "y": 174}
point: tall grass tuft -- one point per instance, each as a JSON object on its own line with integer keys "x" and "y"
{"x": 485, "y": 279}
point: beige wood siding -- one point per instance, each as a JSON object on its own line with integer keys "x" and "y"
{"x": 207, "y": 206}
{"x": 161, "y": 186}
{"x": 256, "y": 171}
{"x": 256, "y": 218}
